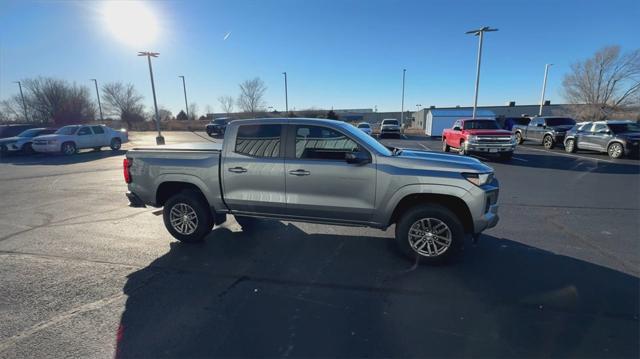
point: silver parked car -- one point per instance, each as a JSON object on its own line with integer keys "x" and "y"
{"x": 365, "y": 127}
{"x": 69, "y": 139}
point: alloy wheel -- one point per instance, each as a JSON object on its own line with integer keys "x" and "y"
{"x": 430, "y": 237}
{"x": 183, "y": 218}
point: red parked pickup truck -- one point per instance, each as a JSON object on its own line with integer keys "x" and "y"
{"x": 479, "y": 135}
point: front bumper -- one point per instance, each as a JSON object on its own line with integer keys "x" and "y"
{"x": 10, "y": 147}
{"x": 489, "y": 217}
{"x": 489, "y": 147}
{"x": 55, "y": 147}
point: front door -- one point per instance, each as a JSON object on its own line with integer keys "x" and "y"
{"x": 320, "y": 183}
{"x": 85, "y": 138}
{"x": 253, "y": 170}
{"x": 601, "y": 137}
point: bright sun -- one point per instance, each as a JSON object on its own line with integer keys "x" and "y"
{"x": 131, "y": 22}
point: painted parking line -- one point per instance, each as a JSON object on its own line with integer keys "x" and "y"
{"x": 520, "y": 159}
{"x": 425, "y": 147}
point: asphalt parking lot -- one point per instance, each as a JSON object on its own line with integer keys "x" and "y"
{"x": 84, "y": 275}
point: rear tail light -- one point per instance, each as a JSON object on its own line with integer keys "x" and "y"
{"x": 126, "y": 166}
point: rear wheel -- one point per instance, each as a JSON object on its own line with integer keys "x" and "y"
{"x": 547, "y": 142}
{"x": 615, "y": 150}
{"x": 570, "y": 146}
{"x": 115, "y": 144}
{"x": 429, "y": 234}
{"x": 445, "y": 147}
{"x": 187, "y": 216}
{"x": 68, "y": 148}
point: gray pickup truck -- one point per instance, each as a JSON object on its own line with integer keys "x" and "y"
{"x": 319, "y": 171}
{"x": 549, "y": 131}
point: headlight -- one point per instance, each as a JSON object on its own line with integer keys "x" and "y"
{"x": 478, "y": 179}
{"x": 472, "y": 139}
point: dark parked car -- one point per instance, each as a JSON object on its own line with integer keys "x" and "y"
{"x": 12, "y": 130}
{"x": 218, "y": 126}
{"x": 22, "y": 142}
{"x": 507, "y": 123}
{"x": 549, "y": 131}
{"x": 617, "y": 138}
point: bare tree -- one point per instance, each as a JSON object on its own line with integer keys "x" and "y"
{"x": 123, "y": 101}
{"x": 606, "y": 83}
{"x": 251, "y": 95}
{"x": 226, "y": 102}
{"x": 165, "y": 115}
{"x": 193, "y": 111}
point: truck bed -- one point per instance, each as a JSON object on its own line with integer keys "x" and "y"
{"x": 197, "y": 146}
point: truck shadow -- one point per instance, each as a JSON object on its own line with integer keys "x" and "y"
{"x": 283, "y": 292}
{"x": 58, "y": 159}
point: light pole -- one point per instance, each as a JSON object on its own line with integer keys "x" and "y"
{"x": 184, "y": 88}
{"x": 98, "y": 96}
{"x": 480, "y": 33}
{"x": 404, "y": 71}
{"x": 149, "y": 55}
{"x": 544, "y": 87}
{"x": 418, "y": 106}
{"x": 286, "y": 94}
{"x": 24, "y": 103}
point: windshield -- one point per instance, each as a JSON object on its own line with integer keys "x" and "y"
{"x": 219, "y": 122}
{"x": 624, "y": 127}
{"x": 390, "y": 122}
{"x": 67, "y": 130}
{"x": 364, "y": 125}
{"x": 364, "y": 138}
{"x": 30, "y": 133}
{"x": 560, "y": 121}
{"x": 481, "y": 125}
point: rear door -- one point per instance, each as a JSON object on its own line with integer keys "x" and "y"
{"x": 253, "y": 169}
{"x": 320, "y": 183}
{"x": 101, "y": 136}
{"x": 85, "y": 138}
{"x": 535, "y": 129}
{"x": 600, "y": 137}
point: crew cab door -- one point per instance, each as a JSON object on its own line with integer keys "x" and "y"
{"x": 600, "y": 137}
{"x": 101, "y": 136}
{"x": 85, "y": 138}
{"x": 535, "y": 129}
{"x": 253, "y": 169}
{"x": 320, "y": 182}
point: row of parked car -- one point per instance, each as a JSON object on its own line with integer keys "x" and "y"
{"x": 66, "y": 140}
{"x": 616, "y": 138}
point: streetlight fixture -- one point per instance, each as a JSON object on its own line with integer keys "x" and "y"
{"x": 544, "y": 87}
{"x": 286, "y": 94}
{"x": 24, "y": 103}
{"x": 98, "y": 96}
{"x": 480, "y": 33}
{"x": 418, "y": 106}
{"x": 184, "y": 88}
{"x": 404, "y": 71}
{"x": 149, "y": 55}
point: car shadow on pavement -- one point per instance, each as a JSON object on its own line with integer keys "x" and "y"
{"x": 567, "y": 163}
{"x": 58, "y": 159}
{"x": 279, "y": 291}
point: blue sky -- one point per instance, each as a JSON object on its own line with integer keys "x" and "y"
{"x": 341, "y": 54}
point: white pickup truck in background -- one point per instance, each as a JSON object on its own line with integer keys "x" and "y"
{"x": 69, "y": 139}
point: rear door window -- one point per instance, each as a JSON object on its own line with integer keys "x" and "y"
{"x": 84, "y": 131}
{"x": 98, "y": 130}
{"x": 258, "y": 140}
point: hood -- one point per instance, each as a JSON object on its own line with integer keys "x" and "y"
{"x": 435, "y": 160}
{"x": 489, "y": 132}
{"x": 561, "y": 128}
{"x": 51, "y": 137}
{"x": 11, "y": 139}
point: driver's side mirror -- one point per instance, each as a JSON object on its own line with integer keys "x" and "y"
{"x": 456, "y": 128}
{"x": 357, "y": 157}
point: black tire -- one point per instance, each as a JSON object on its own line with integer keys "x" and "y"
{"x": 506, "y": 156}
{"x": 115, "y": 144}
{"x": 615, "y": 150}
{"x": 68, "y": 148}
{"x": 519, "y": 138}
{"x": 570, "y": 146}
{"x": 188, "y": 202}
{"x": 547, "y": 142}
{"x": 247, "y": 223}
{"x": 445, "y": 147}
{"x": 432, "y": 212}
{"x": 27, "y": 148}
{"x": 461, "y": 150}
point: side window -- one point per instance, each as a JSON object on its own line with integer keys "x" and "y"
{"x": 535, "y": 122}
{"x": 599, "y": 127}
{"x": 322, "y": 143}
{"x": 456, "y": 124}
{"x": 98, "y": 130}
{"x": 258, "y": 140}
{"x": 84, "y": 131}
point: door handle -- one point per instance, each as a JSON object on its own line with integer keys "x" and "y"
{"x": 237, "y": 170}
{"x": 299, "y": 172}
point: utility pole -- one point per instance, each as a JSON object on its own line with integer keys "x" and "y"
{"x": 98, "y": 96}
{"x": 24, "y": 103}
{"x": 286, "y": 94}
{"x": 404, "y": 71}
{"x": 149, "y": 55}
{"x": 480, "y": 33}
{"x": 544, "y": 87}
{"x": 184, "y": 88}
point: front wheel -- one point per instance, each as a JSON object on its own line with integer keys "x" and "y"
{"x": 429, "y": 234}
{"x": 115, "y": 144}
{"x": 445, "y": 147}
{"x": 547, "y": 142}
{"x": 187, "y": 216}
{"x": 519, "y": 138}
{"x": 615, "y": 150}
{"x": 570, "y": 146}
{"x": 462, "y": 150}
{"x": 68, "y": 148}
